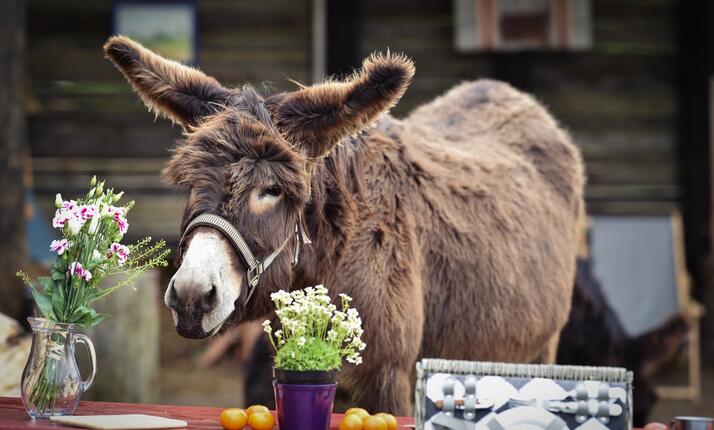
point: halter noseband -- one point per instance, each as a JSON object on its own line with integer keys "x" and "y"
{"x": 256, "y": 267}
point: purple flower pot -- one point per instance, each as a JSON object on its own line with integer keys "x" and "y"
{"x": 303, "y": 406}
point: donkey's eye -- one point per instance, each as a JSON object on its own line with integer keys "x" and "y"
{"x": 273, "y": 191}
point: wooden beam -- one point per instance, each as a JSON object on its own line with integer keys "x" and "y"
{"x": 343, "y": 33}
{"x": 696, "y": 67}
{"x": 319, "y": 39}
{"x": 13, "y": 155}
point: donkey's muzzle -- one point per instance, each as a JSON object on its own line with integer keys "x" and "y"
{"x": 190, "y": 310}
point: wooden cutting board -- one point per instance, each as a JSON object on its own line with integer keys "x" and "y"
{"x": 119, "y": 422}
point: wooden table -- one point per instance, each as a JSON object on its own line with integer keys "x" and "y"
{"x": 13, "y": 416}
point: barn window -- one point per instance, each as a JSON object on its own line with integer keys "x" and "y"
{"x": 165, "y": 26}
{"x": 509, "y": 25}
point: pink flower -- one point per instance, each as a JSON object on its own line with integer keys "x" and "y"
{"x": 59, "y": 246}
{"x": 122, "y": 224}
{"x": 76, "y": 269}
{"x": 121, "y": 251}
{"x": 86, "y": 212}
{"x": 61, "y": 217}
{"x": 116, "y": 211}
{"x": 75, "y": 215}
{"x": 119, "y": 216}
{"x": 69, "y": 205}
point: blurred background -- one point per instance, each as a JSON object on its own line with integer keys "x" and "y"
{"x": 631, "y": 80}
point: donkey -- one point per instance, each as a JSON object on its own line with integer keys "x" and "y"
{"x": 454, "y": 229}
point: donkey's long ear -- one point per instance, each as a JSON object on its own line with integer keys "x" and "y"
{"x": 180, "y": 93}
{"x": 318, "y": 117}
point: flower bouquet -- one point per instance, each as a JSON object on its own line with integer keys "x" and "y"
{"x": 90, "y": 249}
{"x": 313, "y": 339}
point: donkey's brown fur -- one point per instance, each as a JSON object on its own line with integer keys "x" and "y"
{"x": 454, "y": 230}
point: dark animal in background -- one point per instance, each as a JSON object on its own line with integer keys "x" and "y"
{"x": 595, "y": 336}
{"x": 454, "y": 229}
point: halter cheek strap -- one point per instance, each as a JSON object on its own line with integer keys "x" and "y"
{"x": 256, "y": 267}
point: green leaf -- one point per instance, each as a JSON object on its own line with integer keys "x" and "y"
{"x": 44, "y": 303}
{"x": 58, "y": 265}
{"x": 57, "y": 275}
{"x": 96, "y": 320}
{"x": 60, "y": 292}
{"x": 79, "y": 314}
{"x": 47, "y": 284}
{"x": 91, "y": 318}
{"x": 57, "y": 299}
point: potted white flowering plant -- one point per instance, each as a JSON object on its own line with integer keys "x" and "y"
{"x": 89, "y": 250}
{"x": 313, "y": 338}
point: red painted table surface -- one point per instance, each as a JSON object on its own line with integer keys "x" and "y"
{"x": 13, "y": 416}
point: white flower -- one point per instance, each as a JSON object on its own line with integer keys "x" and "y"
{"x": 354, "y": 359}
{"x": 345, "y": 297}
{"x": 301, "y": 341}
{"x": 357, "y": 343}
{"x": 280, "y": 297}
{"x": 93, "y": 225}
{"x": 75, "y": 224}
{"x": 96, "y": 255}
{"x": 266, "y": 327}
{"x": 58, "y": 200}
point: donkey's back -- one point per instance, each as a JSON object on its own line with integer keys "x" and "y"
{"x": 476, "y": 116}
{"x": 500, "y": 200}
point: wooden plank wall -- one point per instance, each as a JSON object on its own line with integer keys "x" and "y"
{"x": 84, "y": 119}
{"x": 618, "y": 99}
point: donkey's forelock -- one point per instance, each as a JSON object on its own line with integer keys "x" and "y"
{"x": 241, "y": 131}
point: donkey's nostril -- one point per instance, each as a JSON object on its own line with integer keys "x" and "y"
{"x": 172, "y": 297}
{"x": 210, "y": 300}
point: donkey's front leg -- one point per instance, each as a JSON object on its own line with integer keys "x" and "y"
{"x": 387, "y": 291}
{"x": 391, "y": 391}
{"x": 383, "y": 383}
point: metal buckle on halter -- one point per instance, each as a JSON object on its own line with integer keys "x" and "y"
{"x": 254, "y": 275}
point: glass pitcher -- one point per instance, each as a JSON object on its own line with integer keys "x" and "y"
{"x": 51, "y": 382}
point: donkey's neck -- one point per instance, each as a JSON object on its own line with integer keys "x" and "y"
{"x": 333, "y": 212}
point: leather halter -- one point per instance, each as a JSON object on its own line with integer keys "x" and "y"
{"x": 256, "y": 267}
